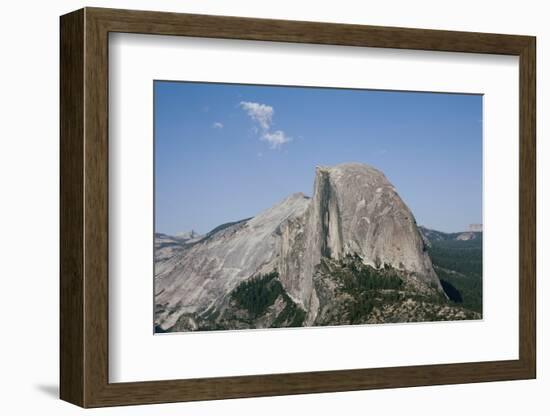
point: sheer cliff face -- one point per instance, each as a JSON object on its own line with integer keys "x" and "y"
{"x": 354, "y": 210}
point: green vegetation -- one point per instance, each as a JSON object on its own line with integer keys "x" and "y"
{"x": 365, "y": 278}
{"x": 461, "y": 256}
{"x": 359, "y": 294}
{"x": 258, "y": 294}
{"x": 459, "y": 265}
{"x": 470, "y": 289}
{"x": 366, "y": 287}
{"x": 292, "y": 315}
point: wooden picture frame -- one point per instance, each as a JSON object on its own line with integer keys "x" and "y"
{"x": 84, "y": 207}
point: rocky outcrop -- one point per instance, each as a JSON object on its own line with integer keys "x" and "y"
{"x": 467, "y": 236}
{"x": 198, "y": 278}
{"x": 433, "y": 236}
{"x": 354, "y": 210}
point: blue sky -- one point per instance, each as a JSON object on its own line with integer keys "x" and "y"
{"x": 225, "y": 152}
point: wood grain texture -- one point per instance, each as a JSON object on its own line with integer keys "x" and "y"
{"x": 528, "y": 208}
{"x": 96, "y": 208}
{"x": 162, "y": 23}
{"x": 84, "y": 207}
{"x": 71, "y": 208}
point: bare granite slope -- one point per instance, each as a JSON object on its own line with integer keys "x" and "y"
{"x": 354, "y": 210}
{"x": 200, "y": 275}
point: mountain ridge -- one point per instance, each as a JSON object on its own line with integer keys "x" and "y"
{"x": 355, "y": 221}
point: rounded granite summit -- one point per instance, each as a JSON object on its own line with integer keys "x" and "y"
{"x": 354, "y": 211}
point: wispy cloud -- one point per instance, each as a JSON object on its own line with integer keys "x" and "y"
{"x": 276, "y": 139}
{"x": 217, "y": 125}
{"x": 262, "y": 114}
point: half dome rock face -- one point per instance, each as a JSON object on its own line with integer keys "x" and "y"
{"x": 361, "y": 213}
{"x": 292, "y": 263}
{"x": 355, "y": 210}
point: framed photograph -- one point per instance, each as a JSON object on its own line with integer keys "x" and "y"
{"x": 255, "y": 207}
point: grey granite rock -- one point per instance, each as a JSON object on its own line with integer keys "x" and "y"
{"x": 200, "y": 275}
{"x": 354, "y": 210}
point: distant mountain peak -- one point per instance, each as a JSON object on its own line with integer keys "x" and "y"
{"x": 429, "y": 235}
{"x": 188, "y": 235}
{"x": 475, "y": 227}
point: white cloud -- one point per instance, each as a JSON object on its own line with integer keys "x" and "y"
{"x": 276, "y": 139}
{"x": 260, "y": 113}
{"x": 217, "y": 125}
